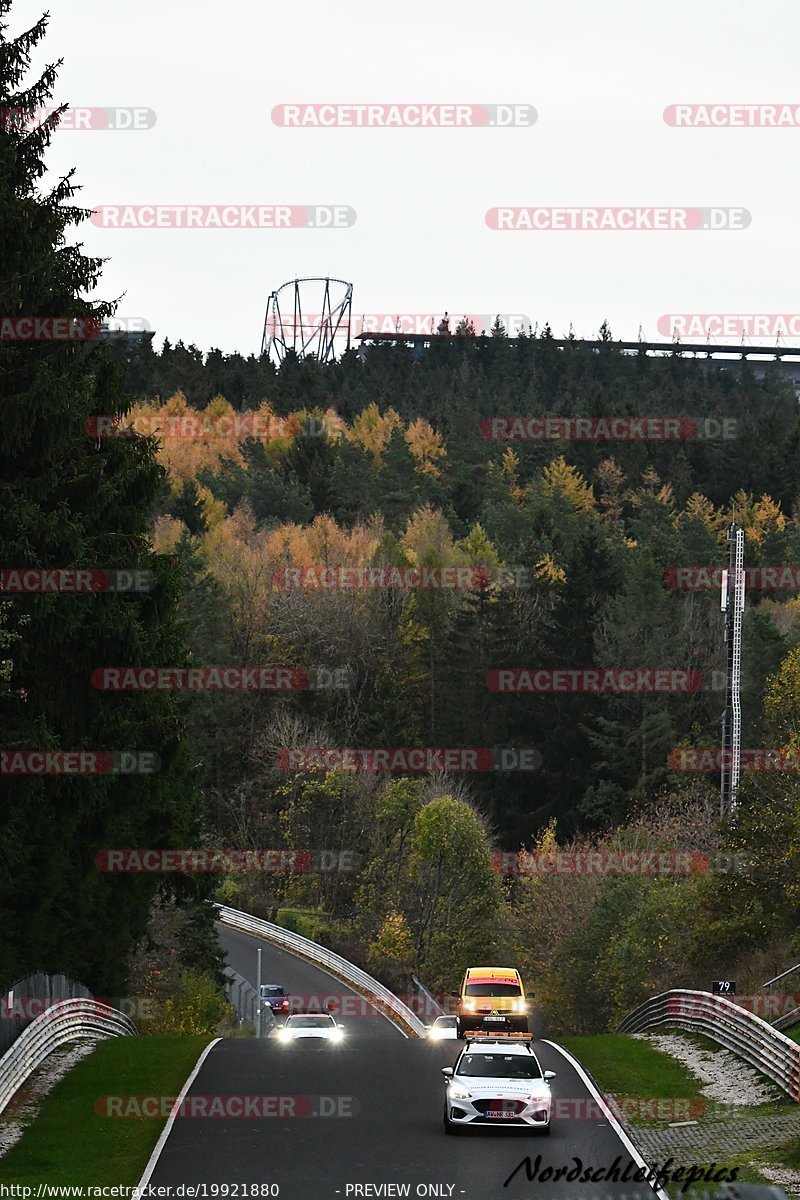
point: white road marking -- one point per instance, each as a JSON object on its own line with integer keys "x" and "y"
{"x": 634, "y": 1152}
{"x": 167, "y": 1130}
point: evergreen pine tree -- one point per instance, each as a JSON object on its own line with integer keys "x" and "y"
{"x": 68, "y": 500}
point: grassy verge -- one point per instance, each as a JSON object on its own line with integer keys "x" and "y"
{"x": 624, "y": 1066}
{"x": 627, "y": 1067}
{"x": 787, "y": 1155}
{"x": 746, "y": 1173}
{"x": 70, "y": 1143}
{"x": 308, "y": 922}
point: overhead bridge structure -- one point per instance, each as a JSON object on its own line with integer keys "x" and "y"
{"x": 758, "y": 358}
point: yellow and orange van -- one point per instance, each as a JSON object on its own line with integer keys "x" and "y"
{"x": 492, "y": 999}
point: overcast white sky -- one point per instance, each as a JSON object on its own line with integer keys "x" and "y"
{"x": 599, "y": 73}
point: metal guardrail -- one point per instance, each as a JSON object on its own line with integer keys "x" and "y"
{"x": 242, "y": 995}
{"x": 782, "y": 975}
{"x": 26, "y": 999}
{"x": 788, "y": 1020}
{"x": 384, "y": 1000}
{"x": 432, "y": 1006}
{"x": 61, "y": 1023}
{"x": 244, "y": 998}
{"x": 738, "y": 1030}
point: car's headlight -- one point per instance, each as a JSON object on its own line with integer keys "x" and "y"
{"x": 284, "y": 1035}
{"x": 469, "y": 1006}
{"x": 337, "y": 1035}
{"x": 458, "y": 1093}
{"x": 519, "y": 1006}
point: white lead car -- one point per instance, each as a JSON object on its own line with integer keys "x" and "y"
{"x": 316, "y": 1027}
{"x": 497, "y": 1082}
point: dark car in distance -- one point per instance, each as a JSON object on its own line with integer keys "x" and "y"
{"x": 276, "y": 997}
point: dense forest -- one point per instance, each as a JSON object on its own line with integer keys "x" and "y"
{"x": 574, "y": 548}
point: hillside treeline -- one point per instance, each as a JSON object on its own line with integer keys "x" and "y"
{"x": 574, "y": 551}
{"x": 573, "y": 546}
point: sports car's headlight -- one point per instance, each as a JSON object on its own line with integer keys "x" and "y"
{"x": 337, "y": 1035}
{"x": 458, "y": 1093}
{"x": 284, "y": 1035}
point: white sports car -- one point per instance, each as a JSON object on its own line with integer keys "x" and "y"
{"x": 497, "y": 1083}
{"x": 317, "y": 1026}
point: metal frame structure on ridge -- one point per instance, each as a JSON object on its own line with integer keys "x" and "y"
{"x": 286, "y": 328}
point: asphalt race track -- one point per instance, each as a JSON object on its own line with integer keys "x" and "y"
{"x": 303, "y": 979}
{"x": 385, "y": 1096}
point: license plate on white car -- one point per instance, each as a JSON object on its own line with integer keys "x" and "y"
{"x": 499, "y": 1114}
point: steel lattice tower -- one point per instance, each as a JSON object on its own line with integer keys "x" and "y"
{"x": 732, "y": 604}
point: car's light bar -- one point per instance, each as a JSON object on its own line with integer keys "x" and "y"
{"x": 471, "y": 1035}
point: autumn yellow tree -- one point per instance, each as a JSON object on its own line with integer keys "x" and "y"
{"x": 372, "y": 430}
{"x": 561, "y": 476}
{"x": 426, "y": 445}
